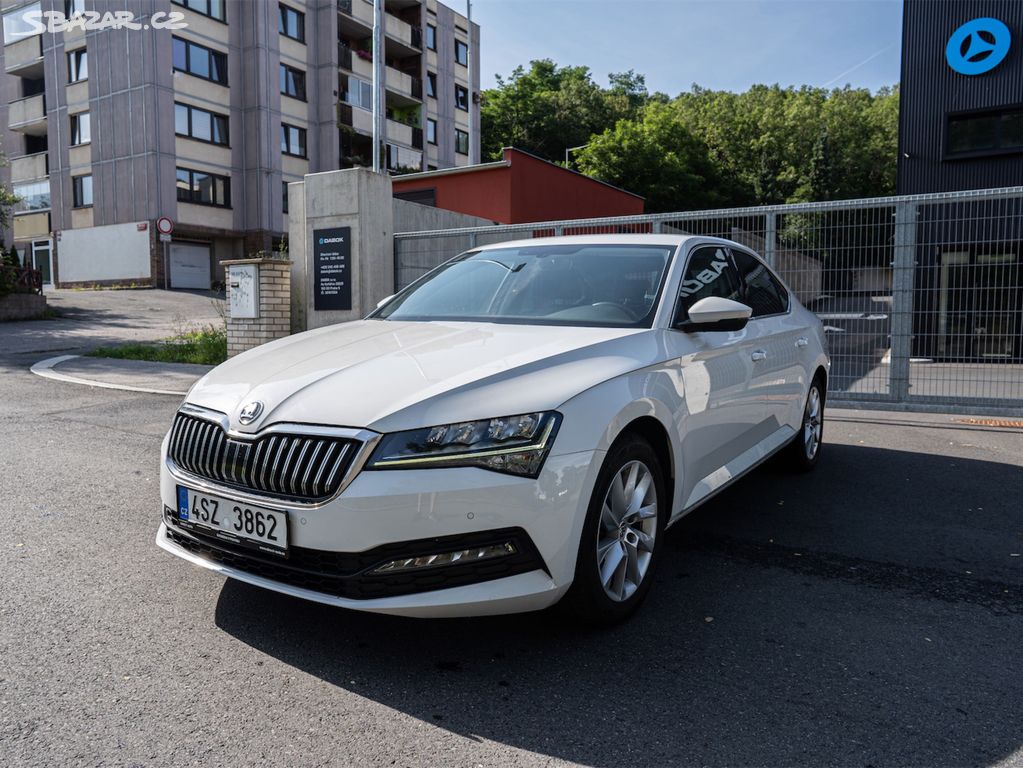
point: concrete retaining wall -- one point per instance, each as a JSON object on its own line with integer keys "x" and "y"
{"x": 22, "y": 306}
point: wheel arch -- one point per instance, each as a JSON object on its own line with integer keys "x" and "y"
{"x": 655, "y": 433}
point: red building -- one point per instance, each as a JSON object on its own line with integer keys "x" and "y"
{"x": 519, "y": 188}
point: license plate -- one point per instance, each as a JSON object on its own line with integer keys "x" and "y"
{"x": 234, "y": 521}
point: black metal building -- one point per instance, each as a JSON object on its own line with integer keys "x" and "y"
{"x": 960, "y": 131}
{"x": 961, "y": 128}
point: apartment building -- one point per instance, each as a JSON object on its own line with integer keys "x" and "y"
{"x": 105, "y": 131}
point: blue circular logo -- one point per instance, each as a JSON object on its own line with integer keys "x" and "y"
{"x": 978, "y": 46}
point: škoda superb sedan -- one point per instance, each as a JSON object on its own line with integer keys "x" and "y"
{"x": 515, "y": 429}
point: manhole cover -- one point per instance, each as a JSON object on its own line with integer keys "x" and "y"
{"x": 992, "y": 423}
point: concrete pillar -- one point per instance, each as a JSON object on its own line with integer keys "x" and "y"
{"x": 355, "y": 200}
{"x": 254, "y": 320}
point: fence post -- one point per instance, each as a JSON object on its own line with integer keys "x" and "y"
{"x": 770, "y": 238}
{"x": 903, "y": 273}
{"x": 472, "y": 240}
{"x": 559, "y": 231}
{"x": 655, "y": 227}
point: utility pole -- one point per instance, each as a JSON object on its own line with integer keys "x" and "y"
{"x": 473, "y": 139}
{"x": 379, "y": 124}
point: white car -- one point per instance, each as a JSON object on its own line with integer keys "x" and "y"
{"x": 515, "y": 429}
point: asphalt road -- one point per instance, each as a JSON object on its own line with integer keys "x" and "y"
{"x": 868, "y": 614}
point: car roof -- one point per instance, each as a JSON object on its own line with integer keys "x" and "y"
{"x": 672, "y": 240}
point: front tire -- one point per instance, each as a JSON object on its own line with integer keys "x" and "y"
{"x": 621, "y": 538}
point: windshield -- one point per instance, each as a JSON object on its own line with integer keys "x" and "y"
{"x": 602, "y": 285}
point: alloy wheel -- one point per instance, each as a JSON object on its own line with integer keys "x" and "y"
{"x": 813, "y": 423}
{"x": 627, "y": 529}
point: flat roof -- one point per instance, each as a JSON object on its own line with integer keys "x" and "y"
{"x": 427, "y": 175}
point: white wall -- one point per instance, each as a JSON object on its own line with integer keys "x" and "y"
{"x": 112, "y": 252}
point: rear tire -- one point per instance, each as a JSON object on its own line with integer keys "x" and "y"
{"x": 802, "y": 453}
{"x": 621, "y": 538}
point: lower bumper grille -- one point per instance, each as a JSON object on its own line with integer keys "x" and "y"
{"x": 347, "y": 574}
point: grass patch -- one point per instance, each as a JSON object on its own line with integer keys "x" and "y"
{"x": 204, "y": 346}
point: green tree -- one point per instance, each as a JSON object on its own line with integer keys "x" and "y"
{"x": 658, "y": 157}
{"x": 548, "y": 109}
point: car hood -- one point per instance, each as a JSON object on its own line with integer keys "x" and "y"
{"x": 389, "y": 375}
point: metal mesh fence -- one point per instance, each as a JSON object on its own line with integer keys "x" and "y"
{"x": 921, "y": 296}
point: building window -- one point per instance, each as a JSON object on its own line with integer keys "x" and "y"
{"x": 431, "y": 37}
{"x": 291, "y": 23}
{"x": 77, "y": 65}
{"x": 212, "y": 8}
{"x": 73, "y": 7}
{"x": 359, "y": 93}
{"x": 462, "y": 97}
{"x": 987, "y": 133}
{"x": 203, "y": 188}
{"x": 293, "y": 140}
{"x": 462, "y": 53}
{"x": 461, "y": 142}
{"x": 285, "y": 205}
{"x": 431, "y": 130}
{"x": 431, "y": 84}
{"x": 18, "y": 27}
{"x": 81, "y": 132}
{"x": 200, "y": 61}
{"x": 35, "y": 196}
{"x": 81, "y": 191}
{"x": 292, "y": 82}
{"x": 200, "y": 125}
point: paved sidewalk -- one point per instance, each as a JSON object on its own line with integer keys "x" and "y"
{"x": 112, "y": 373}
{"x": 90, "y": 319}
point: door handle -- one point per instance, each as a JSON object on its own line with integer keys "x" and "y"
{"x": 802, "y": 341}
{"x": 759, "y": 355}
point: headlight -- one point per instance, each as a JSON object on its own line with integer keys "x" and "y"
{"x": 517, "y": 445}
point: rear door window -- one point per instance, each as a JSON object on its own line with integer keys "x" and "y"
{"x": 760, "y": 289}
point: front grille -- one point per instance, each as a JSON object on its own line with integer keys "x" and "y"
{"x": 347, "y": 574}
{"x": 301, "y": 467}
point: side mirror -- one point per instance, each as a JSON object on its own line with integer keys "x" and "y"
{"x": 715, "y": 313}
{"x": 384, "y": 300}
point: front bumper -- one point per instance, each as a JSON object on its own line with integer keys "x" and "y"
{"x": 384, "y": 511}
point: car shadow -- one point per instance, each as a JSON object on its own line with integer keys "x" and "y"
{"x": 780, "y": 632}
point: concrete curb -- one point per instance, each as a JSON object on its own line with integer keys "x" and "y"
{"x": 45, "y": 368}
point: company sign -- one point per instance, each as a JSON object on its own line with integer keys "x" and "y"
{"x": 332, "y": 269}
{"x": 978, "y": 46}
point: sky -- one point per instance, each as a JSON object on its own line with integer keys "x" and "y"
{"x": 718, "y": 44}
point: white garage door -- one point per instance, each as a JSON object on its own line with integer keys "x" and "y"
{"x": 190, "y": 266}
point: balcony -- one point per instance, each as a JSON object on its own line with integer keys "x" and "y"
{"x": 411, "y": 88}
{"x": 30, "y": 167}
{"x": 398, "y": 30}
{"x": 28, "y": 115}
{"x": 399, "y": 132}
{"x": 25, "y": 57}
{"x": 403, "y": 160}
{"x": 355, "y": 21}
{"x": 361, "y": 120}
{"x": 344, "y": 56}
{"x": 362, "y": 66}
{"x": 31, "y": 225}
